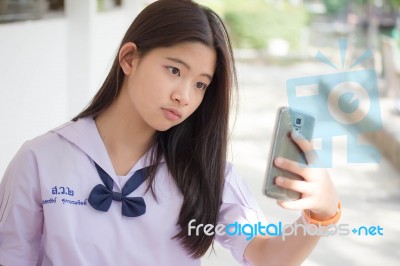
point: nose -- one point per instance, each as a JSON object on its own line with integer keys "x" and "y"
{"x": 181, "y": 94}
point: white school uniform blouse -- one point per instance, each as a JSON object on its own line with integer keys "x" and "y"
{"x": 43, "y": 198}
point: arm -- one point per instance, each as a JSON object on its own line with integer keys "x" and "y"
{"x": 276, "y": 251}
{"x": 318, "y": 195}
{"x": 21, "y": 216}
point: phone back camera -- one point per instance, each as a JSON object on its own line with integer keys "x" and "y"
{"x": 298, "y": 121}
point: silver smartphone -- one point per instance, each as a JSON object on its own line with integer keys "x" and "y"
{"x": 284, "y": 146}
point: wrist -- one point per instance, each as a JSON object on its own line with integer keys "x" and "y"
{"x": 324, "y": 220}
{"x": 323, "y": 216}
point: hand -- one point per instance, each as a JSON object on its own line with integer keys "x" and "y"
{"x": 318, "y": 193}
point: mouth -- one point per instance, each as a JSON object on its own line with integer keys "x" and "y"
{"x": 173, "y": 114}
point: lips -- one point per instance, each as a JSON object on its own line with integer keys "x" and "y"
{"x": 172, "y": 113}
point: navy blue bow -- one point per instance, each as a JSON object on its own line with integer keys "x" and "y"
{"x": 102, "y": 196}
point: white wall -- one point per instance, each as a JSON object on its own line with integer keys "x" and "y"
{"x": 32, "y": 82}
{"x": 34, "y": 78}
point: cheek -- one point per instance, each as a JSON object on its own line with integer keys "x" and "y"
{"x": 146, "y": 90}
{"x": 155, "y": 86}
{"x": 197, "y": 101}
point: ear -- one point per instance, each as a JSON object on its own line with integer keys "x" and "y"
{"x": 128, "y": 57}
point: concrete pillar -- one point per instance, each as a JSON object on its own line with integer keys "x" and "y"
{"x": 80, "y": 17}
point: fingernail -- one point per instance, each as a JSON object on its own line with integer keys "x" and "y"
{"x": 295, "y": 134}
{"x": 281, "y": 203}
{"x": 278, "y": 161}
{"x": 278, "y": 180}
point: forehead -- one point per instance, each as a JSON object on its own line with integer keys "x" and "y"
{"x": 197, "y": 56}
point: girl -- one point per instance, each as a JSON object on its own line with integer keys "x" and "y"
{"x": 127, "y": 180}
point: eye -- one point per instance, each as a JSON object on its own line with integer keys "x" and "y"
{"x": 175, "y": 71}
{"x": 201, "y": 85}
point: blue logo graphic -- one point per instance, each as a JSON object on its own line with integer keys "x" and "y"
{"x": 345, "y": 103}
{"x": 280, "y": 229}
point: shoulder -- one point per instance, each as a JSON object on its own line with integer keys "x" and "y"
{"x": 228, "y": 170}
{"x": 44, "y": 142}
{"x": 22, "y": 173}
{"x": 235, "y": 188}
{"x": 231, "y": 175}
{"x": 34, "y": 158}
{"x": 47, "y": 143}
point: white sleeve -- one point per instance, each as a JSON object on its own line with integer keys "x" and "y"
{"x": 21, "y": 213}
{"x": 238, "y": 206}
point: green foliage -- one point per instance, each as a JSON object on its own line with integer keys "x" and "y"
{"x": 253, "y": 22}
{"x": 334, "y": 6}
{"x": 396, "y": 3}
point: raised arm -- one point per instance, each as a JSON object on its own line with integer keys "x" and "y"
{"x": 320, "y": 201}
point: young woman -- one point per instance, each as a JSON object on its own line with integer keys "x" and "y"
{"x": 124, "y": 181}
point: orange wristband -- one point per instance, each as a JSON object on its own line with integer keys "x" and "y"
{"x": 335, "y": 219}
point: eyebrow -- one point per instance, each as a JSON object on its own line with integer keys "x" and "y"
{"x": 179, "y": 61}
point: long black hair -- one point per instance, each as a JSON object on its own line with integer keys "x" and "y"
{"x": 195, "y": 150}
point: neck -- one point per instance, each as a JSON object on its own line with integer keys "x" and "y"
{"x": 125, "y": 135}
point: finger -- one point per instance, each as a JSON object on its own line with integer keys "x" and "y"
{"x": 291, "y": 166}
{"x": 295, "y": 185}
{"x": 301, "y": 204}
{"x": 305, "y": 145}
{"x": 302, "y": 142}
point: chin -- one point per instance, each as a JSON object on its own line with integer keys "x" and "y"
{"x": 163, "y": 127}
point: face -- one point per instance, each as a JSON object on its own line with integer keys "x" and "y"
{"x": 167, "y": 85}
